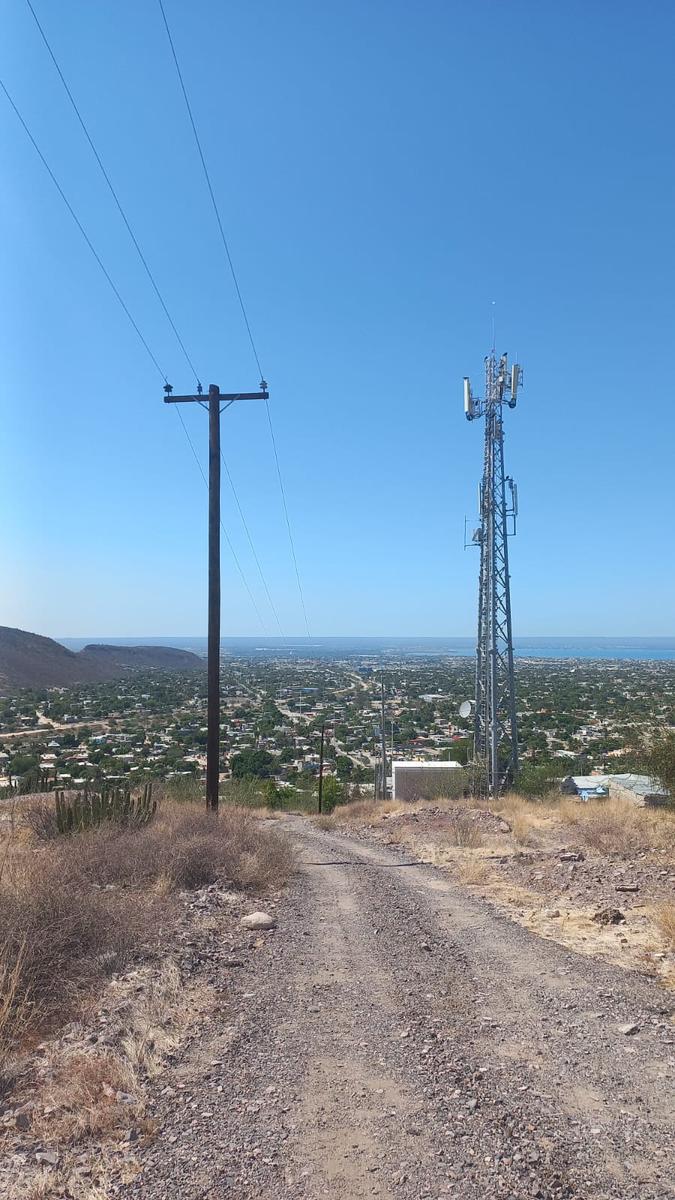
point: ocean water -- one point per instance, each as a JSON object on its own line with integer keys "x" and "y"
{"x": 346, "y": 647}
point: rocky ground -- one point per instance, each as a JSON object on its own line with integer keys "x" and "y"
{"x": 395, "y": 1036}
{"x": 596, "y": 903}
{"x": 553, "y": 858}
{"x": 78, "y": 1109}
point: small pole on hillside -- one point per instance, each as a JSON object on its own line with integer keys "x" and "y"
{"x": 213, "y": 671}
{"x": 383, "y": 734}
{"x": 323, "y": 733}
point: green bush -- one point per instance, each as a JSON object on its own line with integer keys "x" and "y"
{"x": 537, "y": 779}
{"x": 245, "y": 793}
{"x": 252, "y": 764}
{"x": 185, "y": 789}
{"x": 271, "y": 795}
{"x": 333, "y": 794}
{"x": 661, "y": 762}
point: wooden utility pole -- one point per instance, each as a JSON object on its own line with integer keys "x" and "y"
{"x": 323, "y": 734}
{"x": 216, "y": 398}
{"x": 213, "y": 686}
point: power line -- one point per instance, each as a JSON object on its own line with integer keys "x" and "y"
{"x": 211, "y": 192}
{"x": 250, "y": 542}
{"x": 162, "y": 301}
{"x": 81, "y": 228}
{"x": 113, "y": 193}
{"x": 241, "y": 305}
{"x": 222, "y": 527}
{"x": 288, "y": 521}
{"x": 126, "y": 310}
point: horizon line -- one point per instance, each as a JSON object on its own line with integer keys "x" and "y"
{"x": 366, "y": 636}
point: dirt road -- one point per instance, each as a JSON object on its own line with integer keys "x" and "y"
{"x": 54, "y": 727}
{"x": 395, "y": 1037}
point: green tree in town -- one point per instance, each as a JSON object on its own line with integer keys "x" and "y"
{"x": 535, "y": 779}
{"x": 252, "y": 764}
{"x": 345, "y": 767}
{"x": 333, "y": 793}
{"x": 661, "y": 762}
{"x": 21, "y": 764}
{"x": 271, "y": 794}
{"x": 458, "y": 752}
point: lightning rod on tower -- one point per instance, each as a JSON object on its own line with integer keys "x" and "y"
{"x": 495, "y": 723}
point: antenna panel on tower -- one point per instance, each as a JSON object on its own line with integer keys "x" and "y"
{"x": 468, "y": 401}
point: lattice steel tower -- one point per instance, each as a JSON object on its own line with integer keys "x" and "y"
{"x": 495, "y": 725}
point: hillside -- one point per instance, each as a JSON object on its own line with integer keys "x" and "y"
{"x": 29, "y": 660}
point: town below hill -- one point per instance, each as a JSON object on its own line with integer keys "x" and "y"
{"x": 576, "y": 719}
{"x": 29, "y": 660}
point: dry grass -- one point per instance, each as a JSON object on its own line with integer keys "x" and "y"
{"x": 371, "y": 812}
{"x": 665, "y": 919}
{"x": 361, "y": 810}
{"x": 474, "y": 872}
{"x": 463, "y": 830}
{"x": 39, "y": 816}
{"x": 521, "y": 831}
{"x": 13, "y": 1008}
{"x": 90, "y": 1095}
{"x": 184, "y": 847}
{"x": 72, "y": 911}
{"x": 324, "y": 821}
{"x": 154, "y": 1022}
{"x": 615, "y": 826}
{"x": 60, "y": 934}
{"x": 54, "y": 1185}
{"x": 84, "y": 1100}
{"x": 612, "y": 826}
{"x": 521, "y": 815}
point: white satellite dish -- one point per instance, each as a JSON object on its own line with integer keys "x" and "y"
{"x": 465, "y": 708}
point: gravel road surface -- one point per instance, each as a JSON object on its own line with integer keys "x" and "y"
{"x": 397, "y": 1037}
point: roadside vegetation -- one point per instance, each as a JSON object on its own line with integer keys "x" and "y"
{"x": 75, "y": 908}
{"x": 666, "y": 921}
{"x": 612, "y": 827}
{"x": 263, "y": 796}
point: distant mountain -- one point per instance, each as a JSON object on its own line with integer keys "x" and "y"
{"x": 28, "y": 660}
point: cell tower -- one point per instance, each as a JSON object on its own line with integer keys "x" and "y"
{"x": 495, "y": 725}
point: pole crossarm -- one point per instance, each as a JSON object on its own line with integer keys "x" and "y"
{"x": 227, "y": 397}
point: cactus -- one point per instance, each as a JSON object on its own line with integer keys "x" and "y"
{"x": 116, "y": 805}
{"x": 37, "y": 780}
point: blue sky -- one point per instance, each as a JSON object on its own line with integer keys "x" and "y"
{"x": 385, "y": 171}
